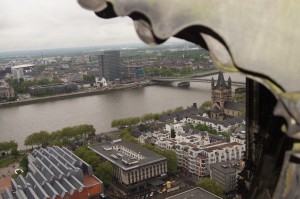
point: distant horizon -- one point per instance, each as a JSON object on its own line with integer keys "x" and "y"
{"x": 78, "y": 48}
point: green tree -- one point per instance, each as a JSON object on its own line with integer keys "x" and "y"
{"x": 7, "y": 146}
{"x": 147, "y": 117}
{"x": 171, "y": 157}
{"x": 87, "y": 155}
{"x": 202, "y": 127}
{"x": 88, "y": 78}
{"x": 173, "y": 133}
{"x": 24, "y": 164}
{"x": 157, "y": 116}
{"x": 14, "y": 152}
{"x": 104, "y": 172}
{"x": 239, "y": 97}
{"x": 206, "y": 105}
{"x": 131, "y": 121}
{"x": 211, "y": 186}
{"x": 172, "y": 160}
{"x": 38, "y": 138}
{"x": 186, "y": 70}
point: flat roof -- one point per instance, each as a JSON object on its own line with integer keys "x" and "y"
{"x": 113, "y": 155}
{"x": 196, "y": 193}
{"x": 22, "y": 66}
{"x": 226, "y": 167}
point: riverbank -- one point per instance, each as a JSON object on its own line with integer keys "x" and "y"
{"x": 75, "y": 94}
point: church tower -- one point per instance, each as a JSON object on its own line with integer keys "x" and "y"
{"x": 220, "y": 93}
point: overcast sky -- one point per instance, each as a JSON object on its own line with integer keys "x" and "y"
{"x": 46, "y": 24}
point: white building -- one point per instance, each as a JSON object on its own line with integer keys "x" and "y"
{"x": 18, "y": 71}
{"x": 175, "y": 126}
{"x": 221, "y": 152}
{"x": 196, "y": 160}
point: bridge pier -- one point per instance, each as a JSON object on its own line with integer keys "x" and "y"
{"x": 184, "y": 84}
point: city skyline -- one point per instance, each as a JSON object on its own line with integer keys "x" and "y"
{"x": 36, "y": 25}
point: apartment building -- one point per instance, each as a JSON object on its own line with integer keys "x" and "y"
{"x": 226, "y": 173}
{"x": 196, "y": 159}
{"x": 223, "y": 151}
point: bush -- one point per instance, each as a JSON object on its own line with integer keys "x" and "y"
{"x": 14, "y": 152}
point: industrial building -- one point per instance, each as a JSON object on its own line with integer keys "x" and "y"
{"x": 133, "y": 165}
{"x": 55, "y": 173}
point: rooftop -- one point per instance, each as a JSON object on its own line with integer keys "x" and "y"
{"x": 22, "y": 66}
{"x": 221, "y": 146}
{"x": 196, "y": 193}
{"x": 55, "y": 172}
{"x": 234, "y": 106}
{"x": 226, "y": 167}
{"x": 117, "y": 152}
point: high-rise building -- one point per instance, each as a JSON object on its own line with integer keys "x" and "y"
{"x": 18, "y": 71}
{"x": 110, "y": 65}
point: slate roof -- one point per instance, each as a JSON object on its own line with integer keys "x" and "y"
{"x": 221, "y": 84}
{"x": 215, "y": 109}
{"x": 181, "y": 114}
{"x": 221, "y": 81}
{"x": 234, "y": 106}
{"x": 211, "y": 120}
{"x": 53, "y": 172}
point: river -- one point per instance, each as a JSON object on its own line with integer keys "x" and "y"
{"x": 17, "y": 122}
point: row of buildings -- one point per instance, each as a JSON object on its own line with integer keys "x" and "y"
{"x": 109, "y": 67}
{"x": 198, "y": 152}
{"x": 55, "y": 173}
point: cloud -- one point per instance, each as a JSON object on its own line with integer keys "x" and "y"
{"x": 43, "y": 24}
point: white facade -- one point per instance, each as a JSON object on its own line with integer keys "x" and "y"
{"x": 176, "y": 126}
{"x": 17, "y": 73}
{"x": 224, "y": 152}
{"x": 219, "y": 127}
{"x": 237, "y": 139}
{"x": 100, "y": 81}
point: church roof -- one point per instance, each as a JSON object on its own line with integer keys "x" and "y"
{"x": 237, "y": 106}
{"x": 215, "y": 109}
{"x": 221, "y": 81}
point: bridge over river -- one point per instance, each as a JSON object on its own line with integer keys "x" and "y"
{"x": 194, "y": 78}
